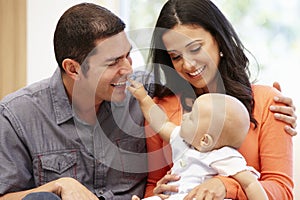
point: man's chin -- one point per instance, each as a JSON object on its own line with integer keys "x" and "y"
{"x": 118, "y": 97}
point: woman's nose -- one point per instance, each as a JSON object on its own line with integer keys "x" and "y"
{"x": 188, "y": 64}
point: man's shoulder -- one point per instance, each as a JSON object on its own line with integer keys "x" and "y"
{"x": 26, "y": 94}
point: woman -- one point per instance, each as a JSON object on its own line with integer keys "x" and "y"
{"x": 196, "y": 47}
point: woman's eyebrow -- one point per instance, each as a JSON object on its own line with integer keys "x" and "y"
{"x": 192, "y": 42}
{"x": 187, "y": 45}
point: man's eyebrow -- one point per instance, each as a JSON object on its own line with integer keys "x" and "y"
{"x": 116, "y": 58}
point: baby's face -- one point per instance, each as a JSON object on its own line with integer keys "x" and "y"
{"x": 191, "y": 130}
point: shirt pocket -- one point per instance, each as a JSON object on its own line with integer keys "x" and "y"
{"x": 133, "y": 157}
{"x": 56, "y": 165}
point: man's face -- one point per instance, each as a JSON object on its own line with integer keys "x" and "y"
{"x": 108, "y": 70}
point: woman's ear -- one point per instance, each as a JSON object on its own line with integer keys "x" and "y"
{"x": 206, "y": 143}
{"x": 71, "y": 68}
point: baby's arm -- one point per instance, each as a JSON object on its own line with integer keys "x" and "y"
{"x": 250, "y": 185}
{"x": 157, "y": 119}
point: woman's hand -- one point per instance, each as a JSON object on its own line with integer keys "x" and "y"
{"x": 285, "y": 113}
{"x": 161, "y": 185}
{"x": 211, "y": 189}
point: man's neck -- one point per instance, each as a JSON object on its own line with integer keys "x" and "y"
{"x": 86, "y": 108}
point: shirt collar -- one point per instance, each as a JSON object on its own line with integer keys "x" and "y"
{"x": 61, "y": 104}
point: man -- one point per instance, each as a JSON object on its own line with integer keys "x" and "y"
{"x": 72, "y": 136}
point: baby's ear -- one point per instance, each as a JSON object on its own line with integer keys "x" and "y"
{"x": 206, "y": 143}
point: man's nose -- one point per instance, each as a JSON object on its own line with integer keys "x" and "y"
{"x": 126, "y": 66}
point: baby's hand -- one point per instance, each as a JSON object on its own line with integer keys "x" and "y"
{"x": 137, "y": 90}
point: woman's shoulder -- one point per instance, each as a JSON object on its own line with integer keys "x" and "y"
{"x": 263, "y": 98}
{"x": 264, "y": 91}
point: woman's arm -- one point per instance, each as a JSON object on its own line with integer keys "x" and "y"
{"x": 250, "y": 185}
{"x": 158, "y": 165}
{"x": 272, "y": 151}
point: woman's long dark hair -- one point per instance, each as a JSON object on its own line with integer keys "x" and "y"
{"x": 233, "y": 66}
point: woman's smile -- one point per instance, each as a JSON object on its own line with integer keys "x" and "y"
{"x": 196, "y": 73}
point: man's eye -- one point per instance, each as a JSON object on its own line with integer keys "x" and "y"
{"x": 114, "y": 63}
{"x": 128, "y": 55}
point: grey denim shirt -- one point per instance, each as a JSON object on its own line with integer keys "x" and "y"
{"x": 41, "y": 140}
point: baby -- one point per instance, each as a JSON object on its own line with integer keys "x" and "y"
{"x": 205, "y": 144}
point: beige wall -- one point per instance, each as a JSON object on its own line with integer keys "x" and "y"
{"x": 13, "y": 45}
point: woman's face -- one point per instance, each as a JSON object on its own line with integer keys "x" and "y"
{"x": 195, "y": 55}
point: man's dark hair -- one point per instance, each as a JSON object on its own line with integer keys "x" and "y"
{"x": 80, "y": 27}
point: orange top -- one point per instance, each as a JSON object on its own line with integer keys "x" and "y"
{"x": 267, "y": 148}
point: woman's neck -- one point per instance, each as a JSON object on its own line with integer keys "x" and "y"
{"x": 217, "y": 86}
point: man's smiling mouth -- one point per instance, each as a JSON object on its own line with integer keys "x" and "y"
{"x": 119, "y": 84}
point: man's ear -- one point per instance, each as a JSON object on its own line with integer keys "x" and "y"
{"x": 206, "y": 143}
{"x": 71, "y": 68}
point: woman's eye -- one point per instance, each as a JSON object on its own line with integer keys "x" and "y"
{"x": 175, "y": 56}
{"x": 196, "y": 49}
